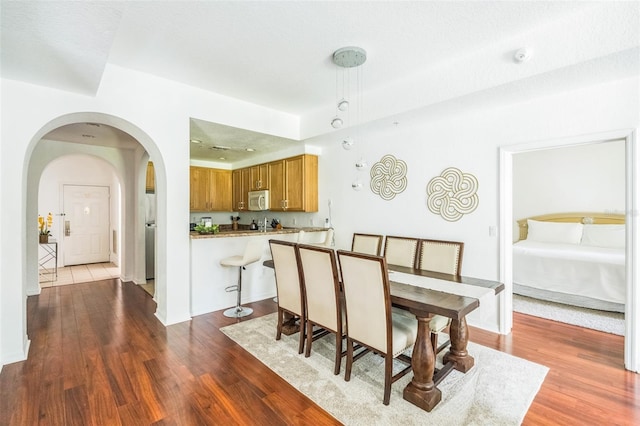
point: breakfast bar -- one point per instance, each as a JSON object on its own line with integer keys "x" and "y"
{"x": 209, "y": 279}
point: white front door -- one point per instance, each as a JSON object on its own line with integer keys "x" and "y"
{"x": 86, "y": 224}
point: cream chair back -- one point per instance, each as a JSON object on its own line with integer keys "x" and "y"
{"x": 322, "y": 288}
{"x": 366, "y": 297}
{"x": 285, "y": 265}
{"x": 440, "y": 256}
{"x": 366, "y": 243}
{"x": 401, "y": 251}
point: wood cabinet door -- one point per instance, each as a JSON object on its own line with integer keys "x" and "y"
{"x": 259, "y": 177}
{"x": 276, "y": 186}
{"x": 220, "y": 190}
{"x": 150, "y": 186}
{"x": 199, "y": 188}
{"x": 294, "y": 183}
{"x": 240, "y": 183}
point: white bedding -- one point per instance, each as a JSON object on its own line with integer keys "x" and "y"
{"x": 570, "y": 273}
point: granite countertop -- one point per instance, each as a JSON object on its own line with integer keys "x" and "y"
{"x": 243, "y": 232}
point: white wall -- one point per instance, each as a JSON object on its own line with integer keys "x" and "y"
{"x": 157, "y": 113}
{"x": 77, "y": 169}
{"x": 469, "y": 140}
{"x": 154, "y": 111}
{"x": 584, "y": 178}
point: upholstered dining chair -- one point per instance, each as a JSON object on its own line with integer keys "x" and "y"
{"x": 444, "y": 257}
{"x": 370, "y": 320}
{"x": 366, "y": 243}
{"x": 289, "y": 288}
{"x": 401, "y": 251}
{"x": 323, "y": 296}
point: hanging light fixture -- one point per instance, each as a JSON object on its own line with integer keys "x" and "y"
{"x": 345, "y": 58}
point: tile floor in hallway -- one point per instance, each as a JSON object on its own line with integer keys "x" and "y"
{"x": 79, "y": 274}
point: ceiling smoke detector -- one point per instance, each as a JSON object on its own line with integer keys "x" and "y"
{"x": 522, "y": 55}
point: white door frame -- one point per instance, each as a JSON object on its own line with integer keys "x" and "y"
{"x": 632, "y": 213}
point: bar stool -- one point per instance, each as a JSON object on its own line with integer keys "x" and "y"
{"x": 252, "y": 253}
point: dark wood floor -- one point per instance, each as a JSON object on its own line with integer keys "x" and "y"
{"x": 98, "y": 356}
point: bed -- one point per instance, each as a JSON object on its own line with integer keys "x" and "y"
{"x": 572, "y": 258}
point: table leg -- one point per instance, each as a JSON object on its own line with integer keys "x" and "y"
{"x": 459, "y": 335}
{"x": 422, "y": 391}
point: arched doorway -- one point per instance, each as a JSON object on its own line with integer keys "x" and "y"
{"x": 128, "y": 160}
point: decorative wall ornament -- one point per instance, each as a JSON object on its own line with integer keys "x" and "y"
{"x": 452, "y": 194}
{"x": 388, "y": 177}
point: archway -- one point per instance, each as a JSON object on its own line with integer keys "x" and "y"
{"x": 129, "y": 164}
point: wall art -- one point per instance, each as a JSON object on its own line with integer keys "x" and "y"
{"x": 388, "y": 177}
{"x": 452, "y": 194}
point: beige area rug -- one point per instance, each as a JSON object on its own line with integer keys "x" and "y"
{"x": 498, "y": 390}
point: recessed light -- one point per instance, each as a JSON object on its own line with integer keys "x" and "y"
{"x": 250, "y": 150}
{"x": 221, "y": 158}
{"x": 196, "y": 141}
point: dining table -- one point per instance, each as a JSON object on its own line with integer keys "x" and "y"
{"x": 424, "y": 294}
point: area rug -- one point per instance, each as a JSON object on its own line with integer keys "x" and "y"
{"x": 498, "y": 390}
{"x": 609, "y": 322}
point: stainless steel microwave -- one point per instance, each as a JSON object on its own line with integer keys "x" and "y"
{"x": 258, "y": 200}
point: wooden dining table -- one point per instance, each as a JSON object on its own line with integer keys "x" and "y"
{"x": 422, "y": 391}
{"x": 423, "y": 302}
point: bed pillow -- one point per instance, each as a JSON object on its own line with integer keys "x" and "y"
{"x": 554, "y": 232}
{"x": 611, "y": 236}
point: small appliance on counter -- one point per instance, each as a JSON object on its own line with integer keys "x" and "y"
{"x": 253, "y": 226}
{"x": 192, "y": 227}
{"x": 206, "y": 221}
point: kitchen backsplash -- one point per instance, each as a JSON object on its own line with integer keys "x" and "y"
{"x": 286, "y": 219}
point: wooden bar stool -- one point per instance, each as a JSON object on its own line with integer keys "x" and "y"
{"x": 252, "y": 253}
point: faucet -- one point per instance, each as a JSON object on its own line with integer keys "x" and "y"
{"x": 265, "y": 225}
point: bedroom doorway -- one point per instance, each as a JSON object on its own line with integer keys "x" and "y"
{"x": 632, "y": 186}
{"x": 568, "y": 193}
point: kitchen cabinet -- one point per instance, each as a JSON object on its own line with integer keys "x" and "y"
{"x": 259, "y": 176}
{"x": 150, "y": 186}
{"x": 241, "y": 184}
{"x": 210, "y": 189}
{"x": 293, "y": 184}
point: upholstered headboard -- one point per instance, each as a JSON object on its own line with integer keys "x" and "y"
{"x": 579, "y": 217}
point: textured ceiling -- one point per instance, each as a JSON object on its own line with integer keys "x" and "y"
{"x": 278, "y": 54}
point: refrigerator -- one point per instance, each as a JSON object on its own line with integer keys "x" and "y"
{"x": 150, "y": 235}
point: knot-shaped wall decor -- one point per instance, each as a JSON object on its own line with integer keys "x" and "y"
{"x": 388, "y": 177}
{"x": 452, "y": 194}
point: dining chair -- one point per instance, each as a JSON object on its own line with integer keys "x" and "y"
{"x": 310, "y": 238}
{"x": 322, "y": 290}
{"x": 289, "y": 288}
{"x": 370, "y": 320}
{"x": 366, "y": 243}
{"x": 443, "y": 257}
{"x": 401, "y": 251}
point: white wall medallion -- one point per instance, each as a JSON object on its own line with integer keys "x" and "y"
{"x": 388, "y": 177}
{"x": 452, "y": 194}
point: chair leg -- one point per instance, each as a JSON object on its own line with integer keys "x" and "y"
{"x": 434, "y": 342}
{"x": 307, "y": 350}
{"x": 280, "y": 321}
{"x": 347, "y": 372}
{"x": 238, "y": 311}
{"x": 388, "y": 369}
{"x": 336, "y": 369}
{"x": 303, "y": 323}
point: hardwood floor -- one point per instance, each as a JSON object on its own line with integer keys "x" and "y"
{"x": 99, "y": 356}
